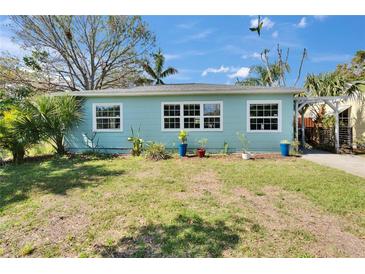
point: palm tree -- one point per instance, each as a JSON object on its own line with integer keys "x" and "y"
{"x": 157, "y": 73}
{"x": 17, "y": 132}
{"x": 329, "y": 84}
{"x": 55, "y": 117}
{"x": 262, "y": 76}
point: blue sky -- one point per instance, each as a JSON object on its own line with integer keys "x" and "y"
{"x": 220, "y": 45}
{"x": 217, "y": 49}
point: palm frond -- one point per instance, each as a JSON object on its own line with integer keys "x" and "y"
{"x": 159, "y": 62}
{"x": 150, "y": 71}
{"x": 168, "y": 71}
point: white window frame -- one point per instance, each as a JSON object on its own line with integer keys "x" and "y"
{"x": 253, "y": 102}
{"x": 108, "y": 105}
{"x": 201, "y": 103}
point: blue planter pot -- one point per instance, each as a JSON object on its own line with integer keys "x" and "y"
{"x": 182, "y": 149}
{"x": 284, "y": 149}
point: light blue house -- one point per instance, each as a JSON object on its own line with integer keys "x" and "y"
{"x": 215, "y": 112}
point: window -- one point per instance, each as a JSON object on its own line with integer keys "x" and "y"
{"x": 172, "y": 116}
{"x": 107, "y": 117}
{"x": 212, "y": 117}
{"x": 264, "y": 116}
{"x": 192, "y": 116}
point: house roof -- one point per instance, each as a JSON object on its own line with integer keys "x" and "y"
{"x": 182, "y": 89}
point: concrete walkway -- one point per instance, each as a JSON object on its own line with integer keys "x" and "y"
{"x": 349, "y": 163}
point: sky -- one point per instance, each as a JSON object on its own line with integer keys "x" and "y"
{"x": 218, "y": 49}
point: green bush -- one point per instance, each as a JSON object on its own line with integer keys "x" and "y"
{"x": 17, "y": 132}
{"x": 156, "y": 151}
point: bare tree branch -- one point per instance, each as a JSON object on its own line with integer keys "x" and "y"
{"x": 87, "y": 52}
{"x": 304, "y": 55}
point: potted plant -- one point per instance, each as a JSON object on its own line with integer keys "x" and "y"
{"x": 285, "y": 147}
{"x": 201, "y": 149}
{"x": 244, "y": 145}
{"x": 183, "y": 137}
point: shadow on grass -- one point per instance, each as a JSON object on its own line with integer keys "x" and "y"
{"x": 57, "y": 176}
{"x": 187, "y": 237}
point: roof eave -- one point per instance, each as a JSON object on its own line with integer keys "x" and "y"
{"x": 177, "y": 93}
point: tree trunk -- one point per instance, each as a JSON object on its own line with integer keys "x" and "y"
{"x": 18, "y": 156}
{"x": 60, "y": 147}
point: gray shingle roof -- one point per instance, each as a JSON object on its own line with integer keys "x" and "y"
{"x": 183, "y": 89}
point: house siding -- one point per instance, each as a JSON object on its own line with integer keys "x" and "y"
{"x": 145, "y": 112}
{"x": 357, "y": 118}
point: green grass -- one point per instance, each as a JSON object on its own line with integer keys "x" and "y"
{"x": 131, "y": 207}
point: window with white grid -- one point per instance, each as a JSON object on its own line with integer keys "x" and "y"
{"x": 107, "y": 117}
{"x": 171, "y": 114}
{"x": 264, "y": 116}
{"x": 203, "y": 116}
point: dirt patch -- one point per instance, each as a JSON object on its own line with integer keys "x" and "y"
{"x": 206, "y": 181}
{"x": 282, "y": 211}
{"x": 148, "y": 173}
{"x": 203, "y": 183}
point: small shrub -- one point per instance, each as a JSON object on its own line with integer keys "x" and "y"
{"x": 137, "y": 143}
{"x": 156, "y": 152}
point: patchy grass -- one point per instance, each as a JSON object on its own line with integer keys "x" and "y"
{"x": 216, "y": 207}
{"x": 26, "y": 250}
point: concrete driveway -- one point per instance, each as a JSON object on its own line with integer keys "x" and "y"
{"x": 349, "y": 163}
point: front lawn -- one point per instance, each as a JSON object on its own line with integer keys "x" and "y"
{"x": 216, "y": 207}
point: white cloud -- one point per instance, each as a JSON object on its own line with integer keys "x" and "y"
{"x": 233, "y": 72}
{"x": 338, "y": 58}
{"x": 302, "y": 23}
{"x": 169, "y": 57}
{"x": 187, "y": 25}
{"x": 200, "y": 35}
{"x": 320, "y": 17}
{"x": 242, "y": 72}
{"x": 275, "y": 34}
{"x": 267, "y": 23}
{"x": 196, "y": 36}
{"x": 254, "y": 55}
{"x": 221, "y": 69}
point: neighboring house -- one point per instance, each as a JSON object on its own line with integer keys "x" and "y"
{"x": 215, "y": 112}
{"x": 351, "y": 120}
{"x": 352, "y": 115}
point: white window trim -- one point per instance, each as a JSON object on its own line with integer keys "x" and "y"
{"x": 108, "y": 130}
{"x": 182, "y": 103}
{"x": 250, "y": 102}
